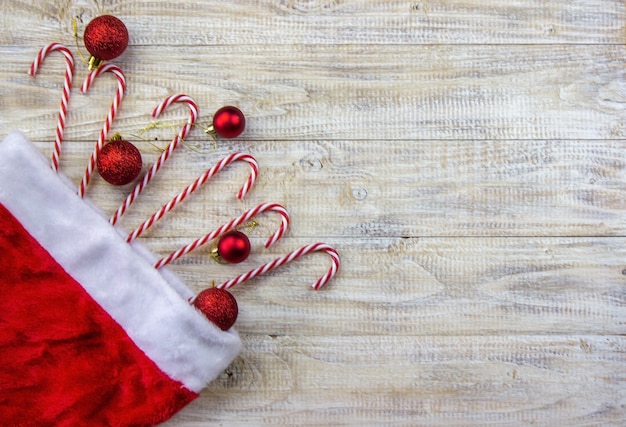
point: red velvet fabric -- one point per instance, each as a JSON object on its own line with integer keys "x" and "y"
{"x": 63, "y": 360}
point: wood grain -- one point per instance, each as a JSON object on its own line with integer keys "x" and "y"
{"x": 409, "y": 381}
{"x": 368, "y": 92}
{"x": 466, "y": 158}
{"x": 430, "y": 287}
{"x": 331, "y": 22}
{"x": 392, "y": 188}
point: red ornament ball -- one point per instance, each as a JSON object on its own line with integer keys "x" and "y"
{"x": 119, "y": 162}
{"x": 233, "y": 247}
{"x": 106, "y": 37}
{"x": 219, "y": 306}
{"x": 229, "y": 122}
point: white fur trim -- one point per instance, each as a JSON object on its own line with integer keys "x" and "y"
{"x": 150, "y": 306}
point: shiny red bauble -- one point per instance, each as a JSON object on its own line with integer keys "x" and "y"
{"x": 229, "y": 122}
{"x": 106, "y": 37}
{"x": 119, "y": 162}
{"x": 233, "y": 247}
{"x": 219, "y": 306}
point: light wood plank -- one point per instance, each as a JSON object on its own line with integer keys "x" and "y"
{"x": 427, "y": 287}
{"x": 354, "y": 188}
{"x": 285, "y": 22}
{"x": 349, "y": 92}
{"x": 385, "y": 380}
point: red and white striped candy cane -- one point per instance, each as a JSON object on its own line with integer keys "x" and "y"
{"x": 334, "y": 256}
{"x": 193, "y": 117}
{"x": 275, "y": 207}
{"x": 119, "y": 95}
{"x": 65, "y": 96}
{"x": 254, "y": 171}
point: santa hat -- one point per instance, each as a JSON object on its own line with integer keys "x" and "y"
{"x": 90, "y": 332}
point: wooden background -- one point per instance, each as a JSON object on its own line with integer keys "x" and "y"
{"x": 466, "y": 157}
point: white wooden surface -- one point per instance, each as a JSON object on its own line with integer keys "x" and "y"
{"x": 467, "y": 159}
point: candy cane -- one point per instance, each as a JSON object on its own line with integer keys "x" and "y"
{"x": 119, "y": 95}
{"x": 193, "y": 116}
{"x": 334, "y": 256}
{"x": 65, "y": 96}
{"x": 254, "y": 167}
{"x": 230, "y": 226}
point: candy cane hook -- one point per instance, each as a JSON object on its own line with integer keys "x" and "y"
{"x": 254, "y": 171}
{"x": 334, "y": 256}
{"x": 119, "y": 95}
{"x": 65, "y": 96}
{"x": 193, "y": 116}
{"x": 230, "y": 226}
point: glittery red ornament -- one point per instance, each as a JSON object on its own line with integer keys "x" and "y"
{"x": 229, "y": 122}
{"x": 219, "y": 306}
{"x": 119, "y": 162}
{"x": 106, "y": 37}
{"x": 233, "y": 247}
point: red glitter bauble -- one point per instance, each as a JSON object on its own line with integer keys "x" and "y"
{"x": 233, "y": 247}
{"x": 229, "y": 122}
{"x": 119, "y": 162}
{"x": 219, "y": 306}
{"x": 106, "y": 37}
